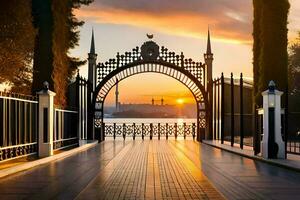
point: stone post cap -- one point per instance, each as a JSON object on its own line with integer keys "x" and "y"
{"x": 271, "y": 89}
{"x": 46, "y": 85}
{"x": 45, "y": 90}
{"x": 272, "y": 86}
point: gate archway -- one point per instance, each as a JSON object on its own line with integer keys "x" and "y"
{"x": 150, "y": 57}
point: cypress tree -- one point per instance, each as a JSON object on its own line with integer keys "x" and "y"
{"x": 257, "y": 5}
{"x": 43, "y": 55}
{"x": 294, "y": 75}
{"x": 274, "y": 34}
{"x": 270, "y": 45}
{"x": 58, "y": 33}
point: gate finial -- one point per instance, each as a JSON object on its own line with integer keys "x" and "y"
{"x": 150, "y": 36}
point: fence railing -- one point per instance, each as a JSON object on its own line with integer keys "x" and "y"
{"x": 82, "y": 104}
{"x": 232, "y": 111}
{"x": 150, "y": 130}
{"x": 18, "y": 125}
{"x": 235, "y": 122}
{"x": 293, "y": 136}
{"x": 65, "y": 129}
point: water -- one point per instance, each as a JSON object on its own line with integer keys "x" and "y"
{"x": 150, "y": 120}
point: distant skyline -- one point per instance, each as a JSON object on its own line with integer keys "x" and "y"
{"x": 179, "y": 25}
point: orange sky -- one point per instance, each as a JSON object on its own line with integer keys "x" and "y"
{"x": 182, "y": 24}
{"x": 229, "y": 19}
{"x": 179, "y": 25}
{"x": 161, "y": 87}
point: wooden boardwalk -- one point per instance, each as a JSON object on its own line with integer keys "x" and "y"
{"x": 153, "y": 170}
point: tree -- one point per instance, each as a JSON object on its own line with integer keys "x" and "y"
{"x": 58, "y": 33}
{"x": 270, "y": 45}
{"x": 43, "y": 55}
{"x": 294, "y": 74}
{"x": 16, "y": 44}
{"x": 257, "y": 5}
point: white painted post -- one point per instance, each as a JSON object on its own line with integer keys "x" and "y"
{"x": 82, "y": 120}
{"x": 46, "y": 121}
{"x": 272, "y": 106}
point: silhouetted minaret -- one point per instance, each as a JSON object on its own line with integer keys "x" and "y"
{"x": 162, "y": 101}
{"x": 208, "y": 57}
{"x": 152, "y": 101}
{"x": 92, "y": 64}
{"x": 117, "y": 95}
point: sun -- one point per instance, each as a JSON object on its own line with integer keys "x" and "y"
{"x": 180, "y": 101}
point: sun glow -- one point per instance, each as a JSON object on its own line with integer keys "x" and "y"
{"x": 180, "y": 101}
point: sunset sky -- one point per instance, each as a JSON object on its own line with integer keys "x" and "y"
{"x": 180, "y": 25}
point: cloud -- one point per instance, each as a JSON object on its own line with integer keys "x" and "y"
{"x": 230, "y": 19}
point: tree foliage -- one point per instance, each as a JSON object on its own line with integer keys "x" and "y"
{"x": 294, "y": 74}
{"x": 16, "y": 44}
{"x": 257, "y": 5}
{"x": 43, "y": 55}
{"x": 270, "y": 44}
{"x": 58, "y": 33}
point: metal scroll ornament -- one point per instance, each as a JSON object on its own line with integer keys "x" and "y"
{"x": 150, "y": 51}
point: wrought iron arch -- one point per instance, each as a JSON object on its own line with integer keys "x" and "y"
{"x": 131, "y": 69}
{"x": 151, "y": 58}
{"x": 185, "y": 81}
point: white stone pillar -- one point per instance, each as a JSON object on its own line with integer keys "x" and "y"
{"x": 272, "y": 117}
{"x": 46, "y": 121}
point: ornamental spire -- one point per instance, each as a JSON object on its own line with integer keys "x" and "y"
{"x": 92, "y": 50}
{"x": 208, "y": 50}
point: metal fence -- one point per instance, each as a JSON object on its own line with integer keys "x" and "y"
{"x": 235, "y": 122}
{"x": 18, "y": 125}
{"x": 151, "y": 130}
{"x": 232, "y": 111}
{"x": 293, "y": 136}
{"x": 65, "y": 129}
{"x": 82, "y": 97}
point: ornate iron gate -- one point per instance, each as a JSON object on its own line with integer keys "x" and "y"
{"x": 150, "y": 57}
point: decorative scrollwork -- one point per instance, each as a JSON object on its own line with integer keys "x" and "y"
{"x": 109, "y": 130}
{"x": 150, "y": 51}
{"x": 60, "y": 144}
{"x": 163, "y": 130}
{"x": 150, "y": 57}
{"x": 17, "y": 151}
{"x": 180, "y": 130}
{"x": 119, "y": 130}
{"x": 171, "y": 130}
{"x": 188, "y": 129}
{"x": 129, "y": 130}
{"x": 138, "y": 130}
{"x": 155, "y": 130}
{"x": 98, "y": 122}
{"x": 146, "y": 130}
{"x": 150, "y": 130}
